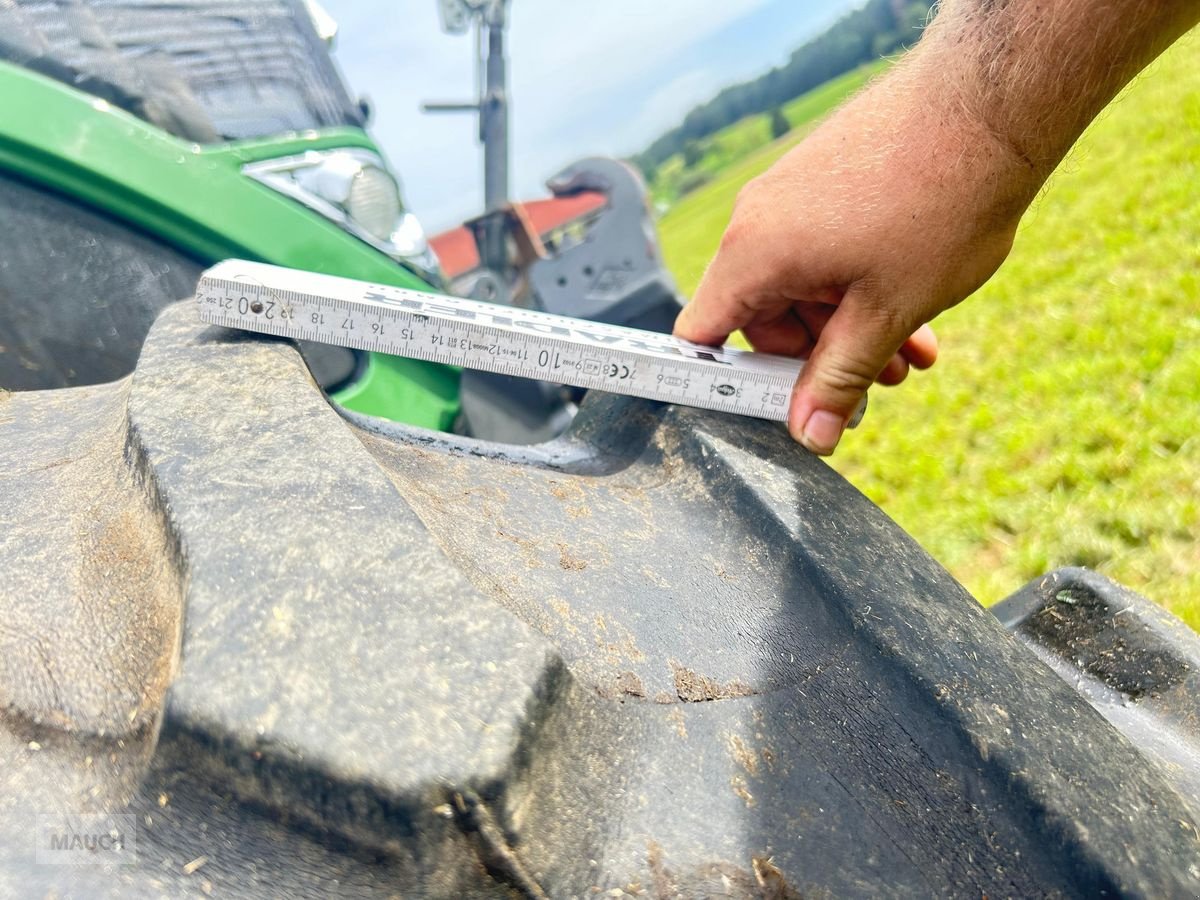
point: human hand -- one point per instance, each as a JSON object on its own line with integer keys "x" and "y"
{"x": 891, "y": 212}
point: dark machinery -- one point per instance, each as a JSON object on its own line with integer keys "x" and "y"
{"x": 666, "y": 654}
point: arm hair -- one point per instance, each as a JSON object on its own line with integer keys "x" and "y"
{"x": 1035, "y": 72}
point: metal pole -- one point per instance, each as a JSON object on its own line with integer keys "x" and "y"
{"x": 492, "y": 110}
{"x": 495, "y": 122}
{"x": 494, "y": 129}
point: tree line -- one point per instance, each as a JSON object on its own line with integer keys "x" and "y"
{"x": 875, "y": 29}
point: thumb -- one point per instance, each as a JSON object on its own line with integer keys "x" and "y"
{"x": 859, "y": 339}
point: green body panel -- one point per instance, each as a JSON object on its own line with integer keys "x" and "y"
{"x": 196, "y": 198}
{"x": 375, "y": 392}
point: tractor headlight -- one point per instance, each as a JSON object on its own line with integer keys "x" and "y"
{"x": 374, "y": 202}
{"x": 351, "y": 187}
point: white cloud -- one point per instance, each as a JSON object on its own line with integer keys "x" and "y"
{"x": 662, "y": 109}
{"x": 564, "y": 52}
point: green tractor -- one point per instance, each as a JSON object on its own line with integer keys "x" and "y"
{"x": 139, "y": 145}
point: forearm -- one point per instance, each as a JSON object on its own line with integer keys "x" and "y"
{"x": 1034, "y": 73}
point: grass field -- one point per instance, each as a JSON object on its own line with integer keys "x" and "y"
{"x": 747, "y": 137}
{"x": 1060, "y": 426}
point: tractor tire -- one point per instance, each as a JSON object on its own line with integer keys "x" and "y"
{"x": 667, "y": 654}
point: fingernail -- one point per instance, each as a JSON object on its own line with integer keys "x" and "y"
{"x": 822, "y": 431}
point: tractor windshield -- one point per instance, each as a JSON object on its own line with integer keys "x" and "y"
{"x": 205, "y": 70}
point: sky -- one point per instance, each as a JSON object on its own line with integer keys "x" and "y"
{"x": 585, "y": 79}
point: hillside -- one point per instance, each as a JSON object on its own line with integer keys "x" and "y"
{"x": 869, "y": 31}
{"x": 1060, "y": 426}
{"x": 678, "y": 176}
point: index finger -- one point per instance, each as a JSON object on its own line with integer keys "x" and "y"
{"x": 721, "y": 305}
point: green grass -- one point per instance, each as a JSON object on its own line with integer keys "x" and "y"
{"x": 747, "y": 137}
{"x": 1060, "y": 426}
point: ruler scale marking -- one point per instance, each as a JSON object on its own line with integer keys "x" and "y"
{"x": 508, "y": 340}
